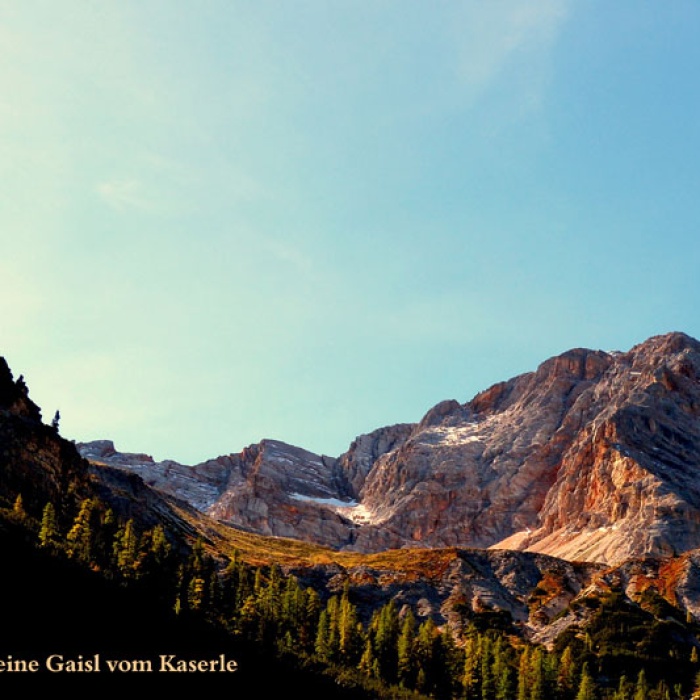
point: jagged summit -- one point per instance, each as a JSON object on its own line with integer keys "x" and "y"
{"x": 593, "y": 456}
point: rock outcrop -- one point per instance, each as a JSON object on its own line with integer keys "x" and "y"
{"x": 595, "y": 456}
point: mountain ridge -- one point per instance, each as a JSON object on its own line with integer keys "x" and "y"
{"x": 535, "y": 596}
{"x": 591, "y": 456}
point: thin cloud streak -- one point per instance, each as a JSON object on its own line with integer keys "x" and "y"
{"x": 493, "y": 35}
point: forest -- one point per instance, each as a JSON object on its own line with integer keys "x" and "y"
{"x": 626, "y": 651}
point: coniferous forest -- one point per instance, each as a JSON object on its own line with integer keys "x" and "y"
{"x": 85, "y": 580}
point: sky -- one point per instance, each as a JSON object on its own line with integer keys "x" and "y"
{"x": 224, "y": 220}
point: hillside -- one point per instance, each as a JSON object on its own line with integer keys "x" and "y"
{"x": 128, "y": 571}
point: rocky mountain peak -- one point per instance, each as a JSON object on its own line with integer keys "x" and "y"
{"x": 592, "y": 456}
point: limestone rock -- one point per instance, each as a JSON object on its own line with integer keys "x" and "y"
{"x": 594, "y": 456}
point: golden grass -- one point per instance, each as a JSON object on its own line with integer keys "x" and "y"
{"x": 261, "y": 550}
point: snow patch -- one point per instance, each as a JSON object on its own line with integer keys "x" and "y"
{"x": 353, "y": 510}
{"x": 454, "y": 435}
{"x": 332, "y": 502}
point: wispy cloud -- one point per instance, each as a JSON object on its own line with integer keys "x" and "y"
{"x": 289, "y": 255}
{"x": 124, "y": 195}
{"x": 492, "y": 36}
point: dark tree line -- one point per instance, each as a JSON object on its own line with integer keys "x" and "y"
{"x": 622, "y": 655}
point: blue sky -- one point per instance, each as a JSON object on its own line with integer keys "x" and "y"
{"x": 223, "y": 221}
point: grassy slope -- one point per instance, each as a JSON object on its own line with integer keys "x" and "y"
{"x": 262, "y": 550}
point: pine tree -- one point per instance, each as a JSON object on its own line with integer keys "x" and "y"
{"x": 18, "y": 508}
{"x": 566, "y": 674}
{"x": 470, "y": 677}
{"x": 196, "y": 593}
{"x": 537, "y": 675}
{"x": 333, "y": 611}
{"x": 103, "y": 541}
{"x": 488, "y": 684}
{"x": 406, "y": 661}
{"x": 349, "y": 638}
{"x": 79, "y": 537}
{"x": 524, "y": 674}
{"x": 322, "y": 645}
{"x": 387, "y": 632}
{"x": 160, "y": 547}
{"x": 641, "y": 691}
{"x": 48, "y": 533}
{"x": 311, "y": 614}
{"x": 425, "y": 645}
{"x": 625, "y": 689}
{"x": 126, "y": 548}
{"x": 229, "y": 584}
{"x": 449, "y": 662}
{"x": 502, "y": 672}
{"x": 586, "y": 688}
{"x": 368, "y": 661}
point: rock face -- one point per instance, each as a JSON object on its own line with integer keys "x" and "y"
{"x": 200, "y": 485}
{"x": 270, "y": 488}
{"x": 594, "y": 456}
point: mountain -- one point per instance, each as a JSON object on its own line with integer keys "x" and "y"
{"x": 593, "y": 456}
{"x": 278, "y": 606}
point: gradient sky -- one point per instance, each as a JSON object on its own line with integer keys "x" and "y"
{"x": 222, "y": 221}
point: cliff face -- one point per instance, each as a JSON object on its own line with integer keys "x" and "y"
{"x": 594, "y": 456}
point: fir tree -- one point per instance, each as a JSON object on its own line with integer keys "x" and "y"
{"x": 470, "y": 677}
{"x": 586, "y": 688}
{"x": 566, "y": 674}
{"x": 426, "y": 643}
{"x": 450, "y": 662}
{"x": 18, "y": 508}
{"x": 311, "y": 614}
{"x": 349, "y": 635}
{"x": 368, "y": 661}
{"x": 333, "y": 611}
{"x": 537, "y": 675}
{"x": 406, "y": 666}
{"x": 126, "y": 548}
{"x": 625, "y": 689}
{"x": 488, "y": 684}
{"x": 322, "y": 646}
{"x": 103, "y": 540}
{"x": 641, "y": 691}
{"x": 387, "y": 632}
{"x": 524, "y": 674}
{"x": 160, "y": 547}
{"x": 48, "y": 533}
{"x": 502, "y": 672}
{"x": 79, "y": 537}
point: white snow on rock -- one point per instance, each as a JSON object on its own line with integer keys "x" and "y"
{"x": 453, "y": 435}
{"x": 357, "y": 512}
